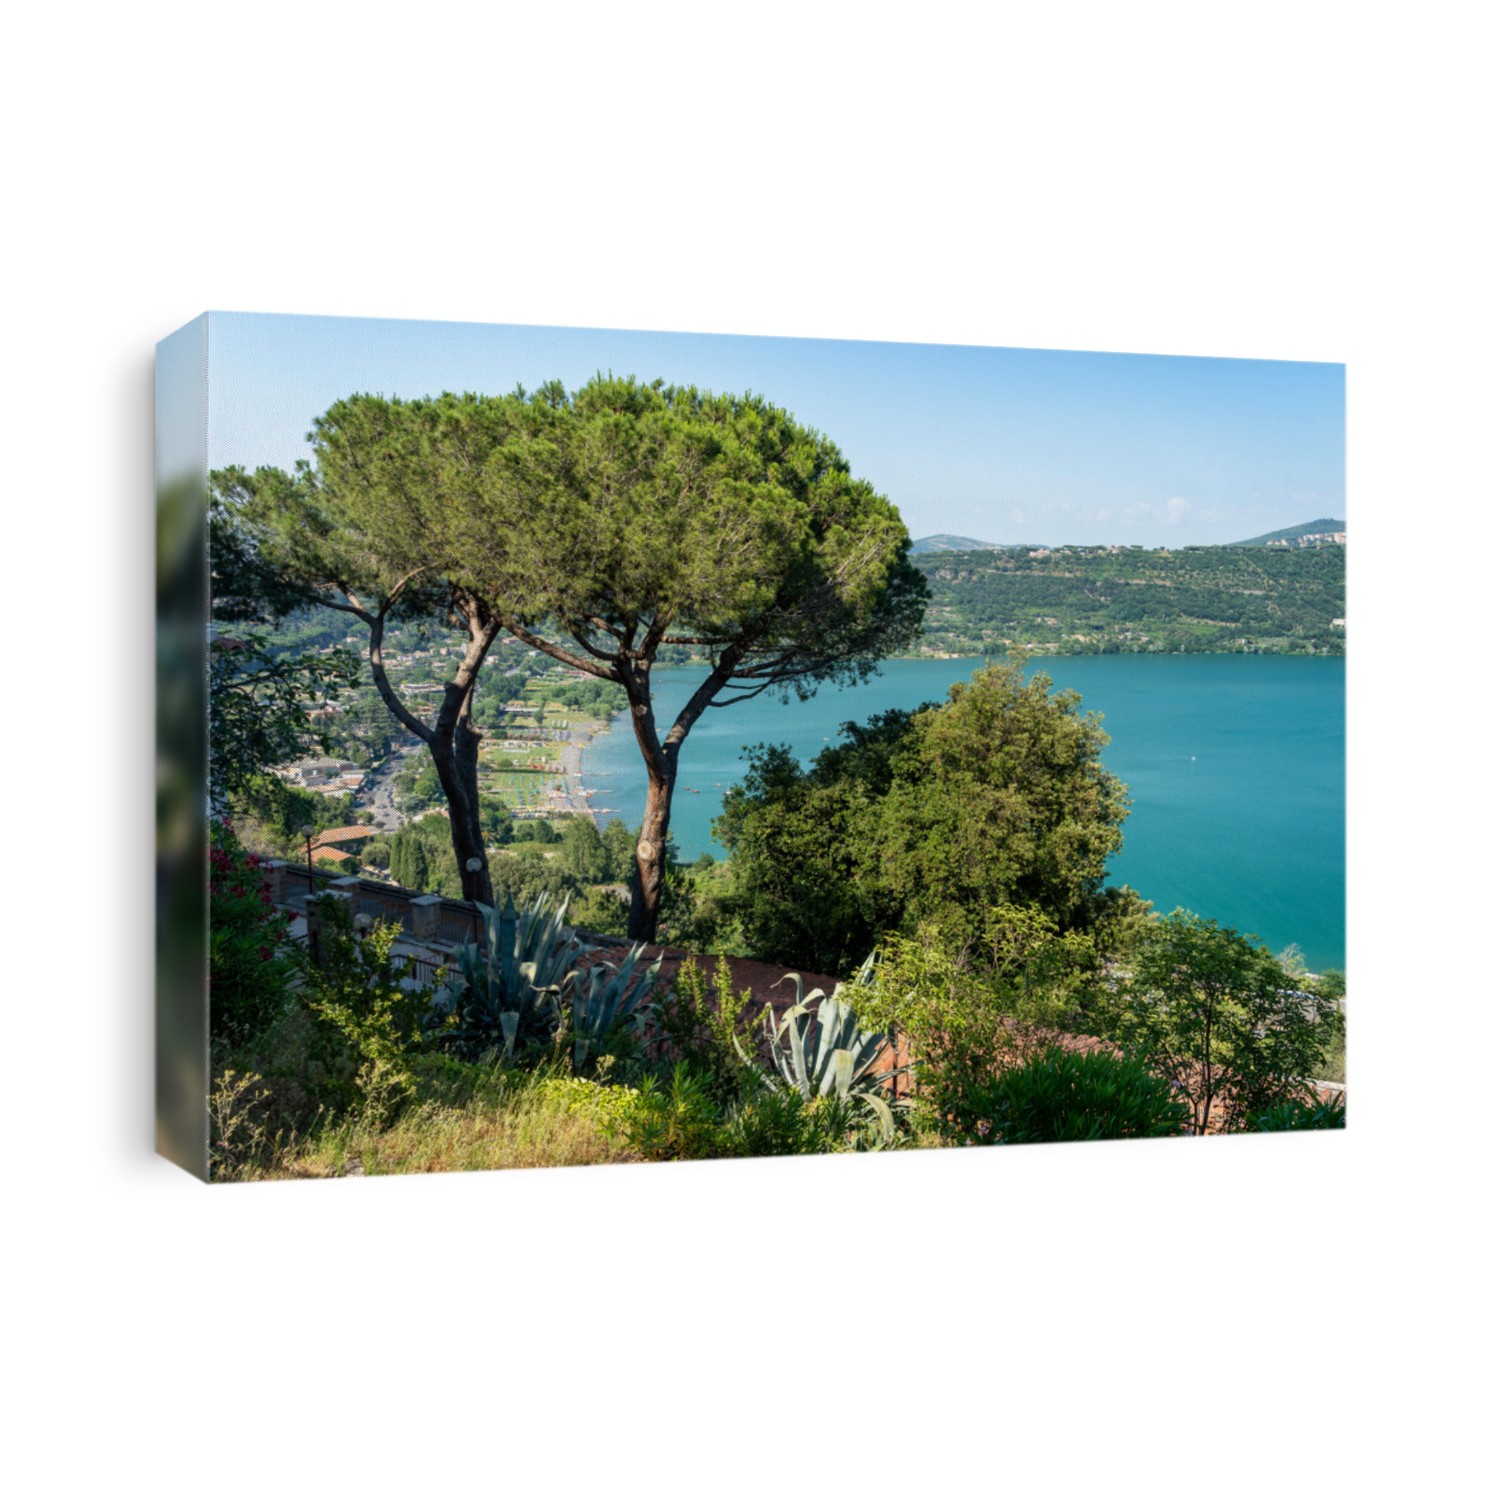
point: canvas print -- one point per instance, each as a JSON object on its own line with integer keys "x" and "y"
{"x": 643, "y": 747}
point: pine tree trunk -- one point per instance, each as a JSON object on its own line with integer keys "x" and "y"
{"x": 632, "y": 670}
{"x": 650, "y": 859}
{"x": 458, "y": 775}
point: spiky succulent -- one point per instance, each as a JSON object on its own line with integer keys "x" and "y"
{"x": 513, "y": 983}
{"x": 820, "y": 1050}
{"x": 611, "y": 999}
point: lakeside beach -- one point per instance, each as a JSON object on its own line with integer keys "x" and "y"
{"x": 576, "y": 792}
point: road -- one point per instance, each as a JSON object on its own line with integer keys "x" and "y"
{"x": 376, "y": 801}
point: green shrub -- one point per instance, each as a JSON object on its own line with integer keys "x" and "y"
{"x": 1216, "y": 1013}
{"x": 706, "y": 1033}
{"x": 678, "y": 1119}
{"x": 251, "y": 966}
{"x": 956, "y": 1020}
{"x": 441, "y": 1079}
{"x": 716, "y": 1101}
{"x": 601, "y": 911}
{"x": 779, "y": 1122}
{"x": 1331, "y": 987}
{"x": 368, "y": 1018}
{"x": 1300, "y": 1114}
{"x": 1073, "y": 1096}
{"x": 608, "y": 1105}
{"x": 675, "y": 1121}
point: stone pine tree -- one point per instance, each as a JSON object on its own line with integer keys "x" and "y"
{"x": 601, "y": 528}
{"x": 716, "y": 524}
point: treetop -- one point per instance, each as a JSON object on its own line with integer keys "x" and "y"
{"x": 600, "y": 525}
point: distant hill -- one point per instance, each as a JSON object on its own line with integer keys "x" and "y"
{"x": 943, "y": 542}
{"x": 1069, "y": 600}
{"x": 1292, "y": 533}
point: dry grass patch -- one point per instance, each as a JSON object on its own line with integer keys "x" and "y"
{"x": 526, "y": 1122}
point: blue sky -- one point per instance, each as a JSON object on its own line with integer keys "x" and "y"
{"x": 1005, "y": 445}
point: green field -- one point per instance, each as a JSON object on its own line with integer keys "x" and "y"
{"x": 543, "y": 756}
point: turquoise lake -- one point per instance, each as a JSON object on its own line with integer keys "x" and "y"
{"x": 1235, "y": 766}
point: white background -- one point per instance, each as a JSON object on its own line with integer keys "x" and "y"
{"x": 1299, "y": 1315}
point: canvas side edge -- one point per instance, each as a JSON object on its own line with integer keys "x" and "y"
{"x": 182, "y": 1068}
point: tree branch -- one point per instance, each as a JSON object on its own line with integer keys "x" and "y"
{"x": 743, "y": 697}
{"x": 383, "y": 684}
{"x": 399, "y": 587}
{"x": 460, "y": 687}
{"x": 560, "y": 653}
{"x": 721, "y": 675}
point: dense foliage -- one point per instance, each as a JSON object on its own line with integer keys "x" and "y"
{"x": 1219, "y": 1015}
{"x": 1062, "y": 1095}
{"x": 535, "y": 1051}
{"x": 972, "y": 1010}
{"x": 270, "y": 815}
{"x": 1300, "y": 1114}
{"x": 995, "y": 798}
{"x": 258, "y": 702}
{"x": 251, "y": 962}
{"x": 367, "y": 1015}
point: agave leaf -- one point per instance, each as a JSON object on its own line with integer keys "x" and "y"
{"x": 882, "y": 1112}
{"x": 510, "y": 1026}
{"x": 841, "y": 1076}
{"x": 797, "y": 1026}
{"x": 612, "y": 996}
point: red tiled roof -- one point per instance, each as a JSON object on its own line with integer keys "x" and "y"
{"x": 341, "y": 835}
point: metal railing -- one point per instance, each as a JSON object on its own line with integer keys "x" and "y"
{"x": 458, "y": 922}
{"x": 423, "y": 968}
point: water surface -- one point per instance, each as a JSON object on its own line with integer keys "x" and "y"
{"x": 1235, "y": 766}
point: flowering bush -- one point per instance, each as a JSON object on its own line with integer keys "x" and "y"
{"x": 250, "y": 964}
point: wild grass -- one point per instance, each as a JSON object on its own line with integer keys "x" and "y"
{"x": 489, "y": 1120}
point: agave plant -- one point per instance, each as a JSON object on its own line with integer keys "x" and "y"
{"x": 820, "y": 1050}
{"x": 513, "y": 984}
{"x": 612, "y": 998}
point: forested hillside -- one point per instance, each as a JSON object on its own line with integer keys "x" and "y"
{"x": 1325, "y": 527}
{"x": 1070, "y": 600}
